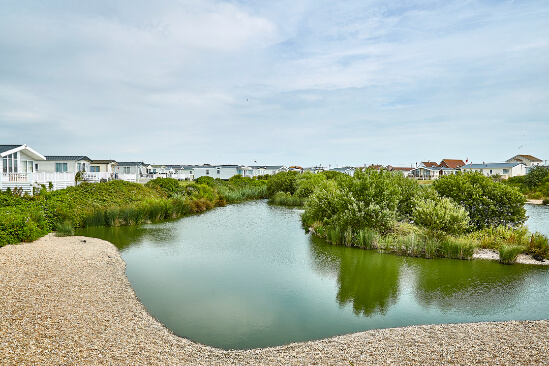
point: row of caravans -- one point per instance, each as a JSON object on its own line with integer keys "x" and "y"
{"x": 23, "y": 167}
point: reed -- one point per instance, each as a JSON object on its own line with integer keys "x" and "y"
{"x": 287, "y": 199}
{"x": 508, "y": 253}
{"x": 367, "y": 238}
{"x": 64, "y": 229}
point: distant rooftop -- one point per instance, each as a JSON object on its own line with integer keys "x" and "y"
{"x": 490, "y": 165}
{"x": 75, "y": 158}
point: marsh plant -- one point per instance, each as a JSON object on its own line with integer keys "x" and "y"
{"x": 64, "y": 229}
{"x": 508, "y": 253}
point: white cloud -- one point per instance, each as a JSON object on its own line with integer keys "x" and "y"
{"x": 290, "y": 80}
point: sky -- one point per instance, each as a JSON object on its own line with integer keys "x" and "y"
{"x": 298, "y": 82}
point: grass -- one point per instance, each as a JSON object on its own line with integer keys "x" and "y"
{"x": 406, "y": 240}
{"x": 508, "y": 253}
{"x": 64, "y": 229}
{"x": 287, "y": 199}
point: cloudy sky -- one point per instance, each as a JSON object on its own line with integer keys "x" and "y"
{"x": 308, "y": 82}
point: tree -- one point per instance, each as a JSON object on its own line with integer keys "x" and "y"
{"x": 441, "y": 216}
{"x": 282, "y": 182}
{"x": 488, "y": 203}
{"x": 535, "y": 176}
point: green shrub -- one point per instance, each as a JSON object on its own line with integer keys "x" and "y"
{"x": 545, "y": 201}
{"x": 205, "y": 180}
{"x": 538, "y": 246}
{"x": 441, "y": 216}
{"x": 488, "y": 203}
{"x": 282, "y": 182}
{"x": 508, "y": 253}
{"x": 64, "y": 229}
{"x": 169, "y": 186}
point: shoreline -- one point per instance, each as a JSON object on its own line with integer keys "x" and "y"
{"x": 67, "y": 300}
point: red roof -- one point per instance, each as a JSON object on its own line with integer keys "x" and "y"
{"x": 451, "y": 163}
{"x": 429, "y": 164}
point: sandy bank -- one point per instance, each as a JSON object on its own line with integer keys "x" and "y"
{"x": 67, "y": 301}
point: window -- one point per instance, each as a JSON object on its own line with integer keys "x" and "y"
{"x": 207, "y": 172}
{"x": 35, "y": 167}
{"x": 61, "y": 167}
{"x": 505, "y": 171}
{"x": 126, "y": 170}
{"x": 218, "y": 171}
{"x": 490, "y": 171}
{"x": 9, "y": 163}
{"x": 94, "y": 169}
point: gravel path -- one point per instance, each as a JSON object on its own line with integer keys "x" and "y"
{"x": 67, "y": 301}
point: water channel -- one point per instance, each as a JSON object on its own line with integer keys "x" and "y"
{"x": 248, "y": 275}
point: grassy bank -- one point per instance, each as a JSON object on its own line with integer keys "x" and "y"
{"x": 115, "y": 203}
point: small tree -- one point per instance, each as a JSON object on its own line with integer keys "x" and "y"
{"x": 535, "y": 176}
{"x": 282, "y": 182}
{"x": 441, "y": 216}
{"x": 488, "y": 203}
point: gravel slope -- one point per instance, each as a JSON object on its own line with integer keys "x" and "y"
{"x": 67, "y": 301}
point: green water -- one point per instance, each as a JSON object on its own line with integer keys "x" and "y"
{"x": 247, "y": 276}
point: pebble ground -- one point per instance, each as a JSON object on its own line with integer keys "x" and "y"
{"x": 67, "y": 301}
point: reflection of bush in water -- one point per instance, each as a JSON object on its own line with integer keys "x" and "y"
{"x": 367, "y": 280}
{"x": 125, "y": 236}
{"x": 473, "y": 286}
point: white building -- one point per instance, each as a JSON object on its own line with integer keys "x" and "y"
{"x": 505, "y": 170}
{"x": 19, "y": 159}
{"x": 21, "y": 167}
{"x": 65, "y": 164}
{"x": 528, "y": 160}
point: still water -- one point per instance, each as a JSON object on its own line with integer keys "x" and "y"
{"x": 247, "y": 276}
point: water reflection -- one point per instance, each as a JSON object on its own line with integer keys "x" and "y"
{"x": 366, "y": 280}
{"x": 474, "y": 287}
{"x": 125, "y": 237}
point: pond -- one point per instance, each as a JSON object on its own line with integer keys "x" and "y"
{"x": 248, "y": 275}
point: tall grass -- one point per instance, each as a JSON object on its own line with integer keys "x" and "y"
{"x": 287, "y": 199}
{"x": 64, "y": 229}
{"x": 508, "y": 253}
{"x": 403, "y": 243}
{"x": 236, "y": 195}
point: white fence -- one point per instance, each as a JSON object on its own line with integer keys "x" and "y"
{"x": 27, "y": 181}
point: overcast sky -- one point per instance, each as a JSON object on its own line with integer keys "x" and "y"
{"x": 302, "y": 82}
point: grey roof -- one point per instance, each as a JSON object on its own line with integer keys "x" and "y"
{"x": 75, "y": 158}
{"x": 103, "y": 161}
{"x": 131, "y": 163}
{"x": 4, "y": 148}
{"x": 490, "y": 165}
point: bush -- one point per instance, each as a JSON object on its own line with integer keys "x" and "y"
{"x": 282, "y": 182}
{"x": 64, "y": 229}
{"x": 169, "y": 186}
{"x": 489, "y": 203}
{"x": 538, "y": 246}
{"x": 535, "y": 176}
{"x": 209, "y": 181}
{"x": 441, "y": 216}
{"x": 307, "y": 182}
{"x": 508, "y": 253}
